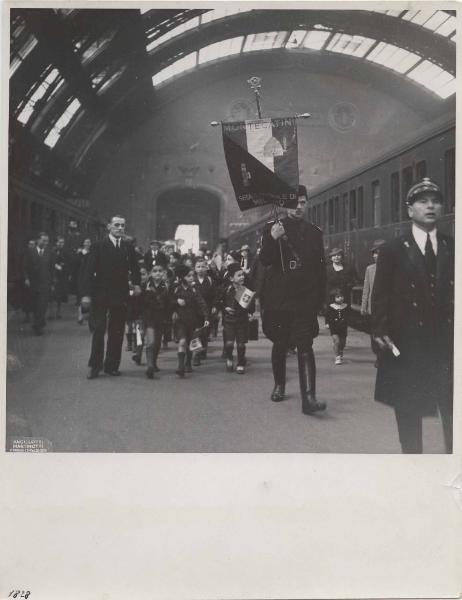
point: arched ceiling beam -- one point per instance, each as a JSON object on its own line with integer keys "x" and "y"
{"x": 381, "y": 27}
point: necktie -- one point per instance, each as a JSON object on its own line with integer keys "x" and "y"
{"x": 430, "y": 258}
{"x": 118, "y": 244}
{"x": 41, "y": 252}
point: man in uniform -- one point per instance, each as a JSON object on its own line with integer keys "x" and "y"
{"x": 295, "y": 280}
{"x": 413, "y": 320}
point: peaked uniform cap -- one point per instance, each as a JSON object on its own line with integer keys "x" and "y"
{"x": 426, "y": 185}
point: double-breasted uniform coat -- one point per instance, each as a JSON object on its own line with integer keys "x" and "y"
{"x": 418, "y": 315}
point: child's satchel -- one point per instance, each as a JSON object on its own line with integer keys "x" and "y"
{"x": 253, "y": 329}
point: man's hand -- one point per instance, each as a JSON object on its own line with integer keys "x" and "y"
{"x": 277, "y": 230}
{"x": 181, "y": 302}
{"x": 136, "y": 290}
{"x": 229, "y": 310}
{"x": 175, "y": 316}
{"x": 384, "y": 342}
{"x": 27, "y": 282}
{"x": 85, "y": 302}
{"x": 214, "y": 311}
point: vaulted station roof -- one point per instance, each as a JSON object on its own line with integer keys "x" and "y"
{"x": 82, "y": 80}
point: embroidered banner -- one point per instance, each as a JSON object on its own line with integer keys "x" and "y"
{"x": 262, "y": 159}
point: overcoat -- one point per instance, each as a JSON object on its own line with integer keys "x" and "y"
{"x": 294, "y": 289}
{"x": 419, "y": 318}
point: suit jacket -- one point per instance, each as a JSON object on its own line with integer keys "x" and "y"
{"x": 419, "y": 318}
{"x": 108, "y": 271}
{"x": 160, "y": 259}
{"x": 294, "y": 289}
{"x": 38, "y": 269}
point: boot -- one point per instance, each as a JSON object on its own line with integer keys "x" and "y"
{"x": 187, "y": 364}
{"x": 129, "y": 347}
{"x": 307, "y": 376}
{"x": 278, "y": 362}
{"x": 150, "y": 363}
{"x": 180, "y": 370}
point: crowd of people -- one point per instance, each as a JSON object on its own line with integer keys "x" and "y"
{"x": 160, "y": 296}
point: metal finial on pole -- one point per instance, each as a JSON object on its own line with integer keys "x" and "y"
{"x": 255, "y": 84}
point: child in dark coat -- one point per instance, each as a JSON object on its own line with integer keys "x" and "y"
{"x": 337, "y": 320}
{"x": 236, "y": 317}
{"x": 189, "y": 313}
{"x": 208, "y": 290}
{"x": 155, "y": 303}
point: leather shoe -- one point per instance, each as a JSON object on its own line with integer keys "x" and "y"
{"x": 93, "y": 373}
{"x": 278, "y": 393}
{"x": 310, "y": 405}
{"x": 113, "y": 372}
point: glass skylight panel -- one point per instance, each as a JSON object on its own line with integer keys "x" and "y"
{"x": 61, "y": 123}
{"x": 183, "y": 64}
{"x": 447, "y": 90}
{"x": 393, "y": 57}
{"x": 434, "y": 78}
{"x": 448, "y": 27}
{"x": 353, "y": 45}
{"x": 264, "y": 41}
{"x": 436, "y": 20}
{"x": 296, "y": 39}
{"x": 112, "y": 79}
{"x": 29, "y": 108}
{"x": 186, "y": 26}
{"x": 17, "y": 57}
{"x": 419, "y": 17}
{"x": 316, "y": 39}
{"x": 219, "y": 13}
{"x": 220, "y": 49}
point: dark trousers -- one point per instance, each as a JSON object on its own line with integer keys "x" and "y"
{"x": 111, "y": 318}
{"x": 410, "y": 430}
{"x": 40, "y": 300}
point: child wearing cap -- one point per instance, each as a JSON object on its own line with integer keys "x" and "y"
{"x": 189, "y": 313}
{"x": 208, "y": 290}
{"x": 155, "y": 302}
{"x": 337, "y": 321}
{"x": 235, "y": 318}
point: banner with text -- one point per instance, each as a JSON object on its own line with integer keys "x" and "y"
{"x": 262, "y": 159}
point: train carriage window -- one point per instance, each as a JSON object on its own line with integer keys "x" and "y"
{"x": 336, "y": 215}
{"x": 376, "y": 208}
{"x": 395, "y": 197}
{"x": 331, "y": 215}
{"x": 344, "y": 211}
{"x": 420, "y": 170}
{"x": 353, "y": 223}
{"x": 407, "y": 182}
{"x": 450, "y": 179}
{"x": 360, "y": 207}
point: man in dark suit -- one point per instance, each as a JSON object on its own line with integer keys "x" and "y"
{"x": 295, "y": 281}
{"x": 38, "y": 279}
{"x": 154, "y": 256}
{"x": 111, "y": 263}
{"x": 413, "y": 320}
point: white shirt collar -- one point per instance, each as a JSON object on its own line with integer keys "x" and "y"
{"x": 420, "y": 237}
{"x": 113, "y": 240}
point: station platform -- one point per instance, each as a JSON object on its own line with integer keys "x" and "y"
{"x": 51, "y": 403}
